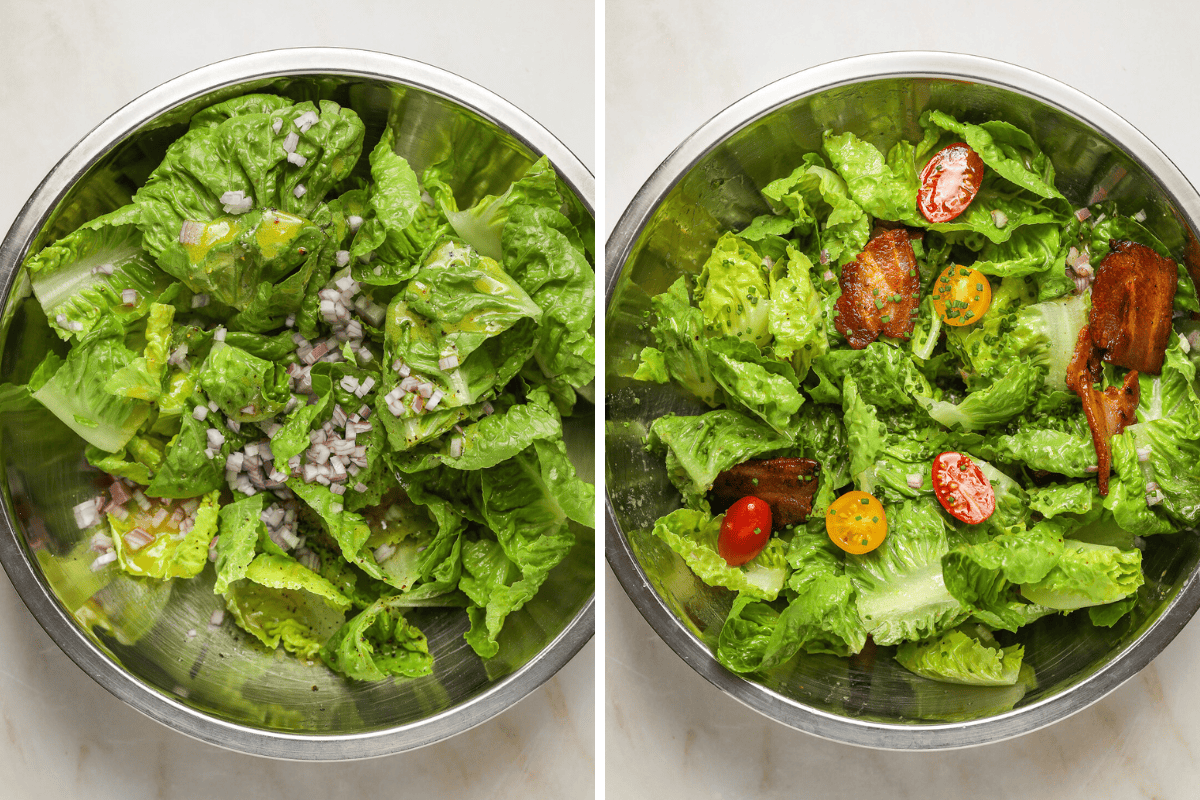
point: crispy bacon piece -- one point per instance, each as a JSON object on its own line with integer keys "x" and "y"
{"x": 1108, "y": 412}
{"x": 787, "y": 485}
{"x": 1131, "y": 306}
{"x": 880, "y": 290}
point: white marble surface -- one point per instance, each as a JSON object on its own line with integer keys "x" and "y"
{"x": 65, "y": 66}
{"x": 671, "y": 65}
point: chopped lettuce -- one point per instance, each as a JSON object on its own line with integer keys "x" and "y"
{"x": 310, "y": 368}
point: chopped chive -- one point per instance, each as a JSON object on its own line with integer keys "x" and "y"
{"x": 886, "y": 318}
{"x": 865, "y": 501}
{"x": 754, "y": 481}
{"x": 874, "y": 519}
{"x": 875, "y": 292}
{"x": 878, "y": 303}
{"x": 979, "y": 287}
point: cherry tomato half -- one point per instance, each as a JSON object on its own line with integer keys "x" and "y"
{"x": 856, "y": 522}
{"x": 962, "y": 488}
{"x": 949, "y": 182}
{"x": 745, "y": 531}
{"x": 961, "y": 295}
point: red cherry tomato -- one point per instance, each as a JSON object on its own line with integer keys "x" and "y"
{"x": 745, "y": 531}
{"x": 949, "y": 182}
{"x": 962, "y": 488}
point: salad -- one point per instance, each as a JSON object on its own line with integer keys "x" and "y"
{"x": 305, "y": 375}
{"x": 943, "y": 402}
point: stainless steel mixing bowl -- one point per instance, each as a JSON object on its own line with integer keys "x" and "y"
{"x": 711, "y": 184}
{"x": 160, "y": 655}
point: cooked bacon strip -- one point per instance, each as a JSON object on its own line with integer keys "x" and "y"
{"x": 1131, "y": 306}
{"x": 1108, "y": 412}
{"x": 882, "y": 282}
{"x": 787, "y": 485}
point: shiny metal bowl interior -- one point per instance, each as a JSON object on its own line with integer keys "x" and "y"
{"x": 710, "y": 185}
{"x": 214, "y": 685}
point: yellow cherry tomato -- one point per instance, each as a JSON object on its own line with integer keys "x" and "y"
{"x": 961, "y": 295}
{"x": 856, "y": 522}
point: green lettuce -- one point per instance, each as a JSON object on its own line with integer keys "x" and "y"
{"x": 901, "y": 593}
{"x": 958, "y": 657}
{"x": 693, "y": 535}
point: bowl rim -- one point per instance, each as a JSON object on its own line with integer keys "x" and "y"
{"x": 40, "y": 600}
{"x": 620, "y": 243}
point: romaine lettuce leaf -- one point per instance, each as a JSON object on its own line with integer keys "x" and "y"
{"x": 901, "y": 594}
{"x": 693, "y": 535}
{"x": 732, "y": 293}
{"x": 73, "y": 389}
{"x": 699, "y": 448}
{"x": 958, "y": 657}
{"x": 521, "y": 505}
{"x": 83, "y": 276}
{"x": 280, "y": 601}
{"x": 378, "y": 642}
{"x": 1087, "y": 575}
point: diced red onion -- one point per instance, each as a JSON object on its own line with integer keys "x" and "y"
{"x": 104, "y": 560}
{"x": 434, "y": 399}
{"x": 306, "y": 120}
{"x": 191, "y": 232}
{"x": 119, "y": 494}
{"x": 999, "y": 217}
{"x": 1082, "y": 213}
{"x": 199, "y": 300}
{"x": 219, "y": 335}
{"x": 87, "y": 513}
{"x": 342, "y": 257}
{"x": 354, "y": 221}
{"x": 137, "y": 538}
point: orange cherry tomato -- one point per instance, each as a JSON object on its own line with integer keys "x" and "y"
{"x": 856, "y": 522}
{"x": 949, "y": 182}
{"x": 962, "y": 488}
{"x": 745, "y": 531}
{"x": 961, "y": 295}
